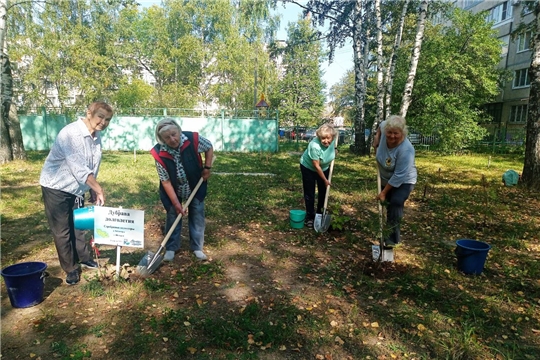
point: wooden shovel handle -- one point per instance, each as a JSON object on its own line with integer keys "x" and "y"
{"x": 381, "y": 222}
{"x": 329, "y": 179}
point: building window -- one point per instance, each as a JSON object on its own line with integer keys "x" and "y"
{"x": 521, "y": 78}
{"x": 470, "y": 3}
{"x": 49, "y": 85}
{"x": 505, "y": 41}
{"x": 527, "y": 8}
{"x": 500, "y": 12}
{"x": 518, "y": 114}
{"x": 494, "y": 112}
{"x": 524, "y": 41}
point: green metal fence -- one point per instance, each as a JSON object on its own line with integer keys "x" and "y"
{"x": 228, "y": 131}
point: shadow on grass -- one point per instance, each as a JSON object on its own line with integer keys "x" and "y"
{"x": 297, "y": 294}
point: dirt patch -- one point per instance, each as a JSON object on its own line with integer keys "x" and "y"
{"x": 320, "y": 276}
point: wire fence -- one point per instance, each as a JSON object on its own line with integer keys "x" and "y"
{"x": 149, "y": 112}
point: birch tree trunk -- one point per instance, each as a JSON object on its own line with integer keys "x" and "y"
{"x": 380, "y": 84}
{"x": 11, "y": 142}
{"x": 5, "y": 143}
{"x": 359, "y": 43}
{"x": 391, "y": 69}
{"x": 531, "y": 167}
{"x": 407, "y": 92}
{"x": 3, "y": 14}
{"x": 15, "y": 134}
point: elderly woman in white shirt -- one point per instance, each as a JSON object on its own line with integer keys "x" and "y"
{"x": 395, "y": 157}
{"x": 70, "y": 171}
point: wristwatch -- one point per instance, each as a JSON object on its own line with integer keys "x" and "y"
{"x": 207, "y": 167}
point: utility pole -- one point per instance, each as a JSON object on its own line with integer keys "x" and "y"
{"x": 255, "y": 83}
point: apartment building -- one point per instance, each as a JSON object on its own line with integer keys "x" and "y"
{"x": 509, "y": 111}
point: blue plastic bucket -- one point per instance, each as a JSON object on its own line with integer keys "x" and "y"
{"x": 25, "y": 283}
{"x": 297, "y": 218}
{"x": 471, "y": 256}
{"x": 83, "y": 218}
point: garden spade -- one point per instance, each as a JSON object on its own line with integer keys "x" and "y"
{"x": 381, "y": 216}
{"x": 151, "y": 261}
{"x": 322, "y": 221}
{"x": 381, "y": 253}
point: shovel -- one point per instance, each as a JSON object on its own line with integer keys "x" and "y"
{"x": 381, "y": 215}
{"x": 322, "y": 221}
{"x": 380, "y": 252}
{"x": 151, "y": 261}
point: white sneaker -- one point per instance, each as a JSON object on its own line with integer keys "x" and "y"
{"x": 169, "y": 255}
{"x": 200, "y": 255}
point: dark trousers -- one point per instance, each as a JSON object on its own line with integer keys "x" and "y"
{"x": 70, "y": 243}
{"x": 310, "y": 179}
{"x": 394, "y": 212}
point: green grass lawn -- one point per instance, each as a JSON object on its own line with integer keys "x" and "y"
{"x": 272, "y": 292}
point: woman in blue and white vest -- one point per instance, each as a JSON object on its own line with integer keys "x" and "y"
{"x": 180, "y": 166}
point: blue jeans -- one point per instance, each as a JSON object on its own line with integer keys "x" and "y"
{"x": 196, "y": 226}
{"x": 394, "y": 212}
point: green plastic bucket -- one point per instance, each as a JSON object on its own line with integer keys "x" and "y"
{"x": 297, "y": 218}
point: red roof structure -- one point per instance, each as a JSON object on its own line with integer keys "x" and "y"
{"x": 262, "y": 103}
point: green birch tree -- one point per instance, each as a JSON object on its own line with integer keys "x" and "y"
{"x": 67, "y": 45}
{"x": 457, "y": 74}
{"x": 301, "y": 99}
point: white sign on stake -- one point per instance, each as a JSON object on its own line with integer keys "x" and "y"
{"x": 118, "y": 226}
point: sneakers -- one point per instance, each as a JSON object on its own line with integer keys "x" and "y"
{"x": 73, "y": 277}
{"x": 90, "y": 264}
{"x": 200, "y": 255}
{"x": 169, "y": 255}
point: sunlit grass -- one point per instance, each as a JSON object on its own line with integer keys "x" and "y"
{"x": 421, "y": 307}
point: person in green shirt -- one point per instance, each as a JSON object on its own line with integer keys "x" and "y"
{"x": 315, "y": 168}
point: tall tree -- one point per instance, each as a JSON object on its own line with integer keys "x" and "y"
{"x": 196, "y": 51}
{"x": 67, "y": 45}
{"x": 301, "y": 100}
{"x": 531, "y": 166}
{"x": 380, "y": 66}
{"x": 355, "y": 20}
{"x": 407, "y": 92}
{"x": 391, "y": 68}
{"x": 456, "y": 76}
{"x": 341, "y": 96}
{"x": 11, "y": 142}
{"x": 360, "y": 50}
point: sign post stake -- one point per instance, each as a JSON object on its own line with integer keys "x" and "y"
{"x": 118, "y": 249}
